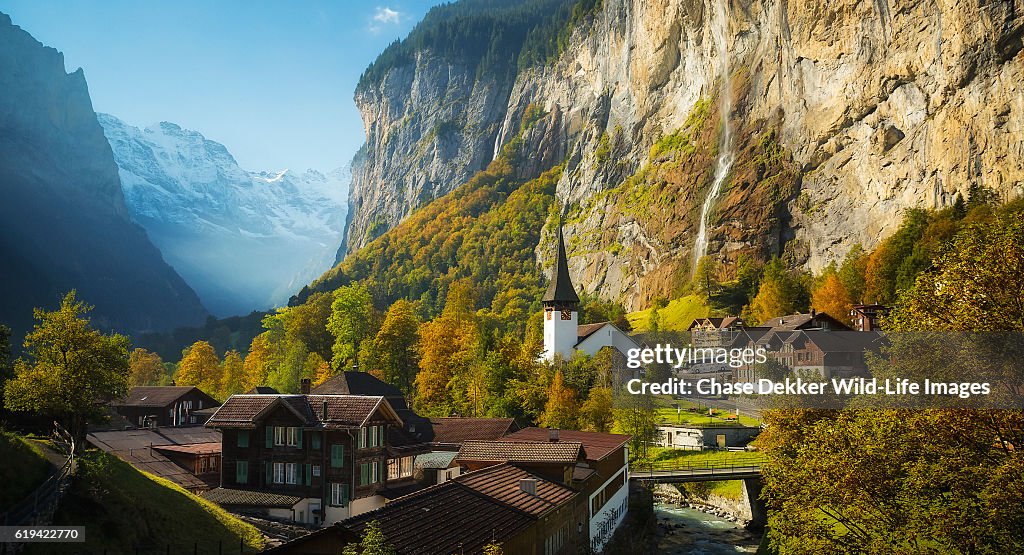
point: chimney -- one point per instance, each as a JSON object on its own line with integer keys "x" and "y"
{"x": 304, "y": 386}
{"x": 528, "y": 486}
{"x": 813, "y": 313}
{"x": 553, "y": 435}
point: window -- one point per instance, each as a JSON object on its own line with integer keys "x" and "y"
{"x": 242, "y": 472}
{"x": 400, "y": 468}
{"x": 369, "y": 473}
{"x": 316, "y": 470}
{"x": 337, "y": 456}
{"x": 291, "y": 473}
{"x": 213, "y": 464}
{"x": 287, "y": 435}
{"x": 339, "y": 495}
{"x": 278, "y": 473}
{"x": 243, "y": 438}
{"x": 371, "y": 436}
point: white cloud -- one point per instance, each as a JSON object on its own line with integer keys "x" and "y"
{"x": 385, "y": 15}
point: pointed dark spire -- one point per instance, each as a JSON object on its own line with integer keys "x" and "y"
{"x": 561, "y": 291}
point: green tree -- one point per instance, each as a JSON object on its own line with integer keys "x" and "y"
{"x": 374, "y": 542}
{"x": 781, "y": 292}
{"x": 636, "y": 416}
{"x": 6, "y": 368}
{"x": 70, "y": 371}
{"x": 493, "y": 548}
{"x": 852, "y": 272}
{"x": 350, "y": 322}
{"x": 705, "y": 277}
{"x": 597, "y": 410}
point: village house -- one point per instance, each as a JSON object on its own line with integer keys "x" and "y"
{"x": 163, "y": 406}
{"x": 327, "y": 453}
{"x": 188, "y": 456}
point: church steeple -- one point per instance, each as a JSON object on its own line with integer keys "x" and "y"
{"x": 561, "y": 315}
{"x": 561, "y": 292}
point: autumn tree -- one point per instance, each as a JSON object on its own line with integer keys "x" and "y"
{"x": 200, "y": 367}
{"x": 852, "y": 272}
{"x": 896, "y": 480}
{"x": 6, "y": 367}
{"x": 705, "y": 277}
{"x": 70, "y": 370}
{"x": 448, "y": 345}
{"x": 351, "y": 320}
{"x": 232, "y": 374}
{"x": 781, "y": 292}
{"x": 258, "y": 362}
{"x": 561, "y": 410}
{"x": 596, "y": 412}
{"x": 374, "y": 542}
{"x": 391, "y": 355}
{"x": 146, "y": 368}
{"x": 832, "y": 298}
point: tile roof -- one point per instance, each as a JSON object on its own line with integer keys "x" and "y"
{"x": 155, "y": 396}
{"x": 361, "y": 383}
{"x": 596, "y": 445}
{"x": 241, "y": 497}
{"x": 343, "y": 411}
{"x": 586, "y": 330}
{"x": 472, "y": 511}
{"x": 458, "y": 430}
{"x": 556, "y": 452}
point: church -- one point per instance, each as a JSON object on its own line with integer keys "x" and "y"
{"x": 563, "y": 333}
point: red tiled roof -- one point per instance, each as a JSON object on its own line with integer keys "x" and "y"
{"x": 596, "y": 445}
{"x": 564, "y": 452}
{"x": 459, "y": 430}
{"x": 502, "y": 483}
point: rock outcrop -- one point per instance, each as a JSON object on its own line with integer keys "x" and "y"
{"x": 845, "y": 114}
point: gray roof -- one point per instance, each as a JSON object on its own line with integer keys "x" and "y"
{"x": 435, "y": 459}
{"x": 561, "y": 289}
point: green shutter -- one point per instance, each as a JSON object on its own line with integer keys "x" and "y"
{"x": 270, "y": 437}
{"x": 344, "y": 495}
{"x": 270, "y": 473}
{"x": 337, "y": 456}
{"x": 315, "y": 439}
{"x": 309, "y": 474}
{"x": 242, "y": 472}
{"x": 298, "y": 431}
{"x": 243, "y": 438}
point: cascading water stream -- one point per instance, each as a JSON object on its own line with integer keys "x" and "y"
{"x": 726, "y": 155}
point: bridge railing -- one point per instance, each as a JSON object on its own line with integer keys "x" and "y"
{"x": 732, "y": 466}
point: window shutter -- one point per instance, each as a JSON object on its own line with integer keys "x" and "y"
{"x": 308, "y": 471}
{"x": 344, "y": 495}
{"x": 270, "y": 437}
{"x": 298, "y": 431}
{"x": 315, "y": 439}
{"x": 337, "y": 456}
{"x": 241, "y": 472}
{"x": 243, "y": 438}
{"x": 270, "y": 473}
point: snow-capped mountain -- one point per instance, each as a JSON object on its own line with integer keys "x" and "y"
{"x": 243, "y": 240}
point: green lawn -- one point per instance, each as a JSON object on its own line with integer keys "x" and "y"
{"x": 123, "y": 509}
{"x": 699, "y": 415}
{"x": 676, "y": 316}
{"x": 661, "y": 456}
{"x": 24, "y": 467}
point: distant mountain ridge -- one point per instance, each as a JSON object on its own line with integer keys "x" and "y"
{"x": 243, "y": 240}
{"x": 64, "y": 223}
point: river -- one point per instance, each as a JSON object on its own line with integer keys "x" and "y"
{"x": 684, "y": 531}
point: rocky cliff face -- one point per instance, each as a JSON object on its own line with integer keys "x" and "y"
{"x": 243, "y": 240}
{"x": 63, "y": 220}
{"x": 843, "y": 115}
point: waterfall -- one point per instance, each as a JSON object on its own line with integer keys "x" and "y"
{"x": 726, "y": 156}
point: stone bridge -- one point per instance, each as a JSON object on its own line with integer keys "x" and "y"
{"x": 678, "y": 472}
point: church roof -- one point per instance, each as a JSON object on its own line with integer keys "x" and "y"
{"x": 561, "y": 289}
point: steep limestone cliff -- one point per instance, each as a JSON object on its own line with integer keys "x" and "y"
{"x": 843, "y": 115}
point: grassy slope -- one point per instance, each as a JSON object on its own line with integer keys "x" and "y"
{"x": 676, "y": 316}
{"x": 24, "y": 468}
{"x": 122, "y": 508}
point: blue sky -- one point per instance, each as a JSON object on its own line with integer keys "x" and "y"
{"x": 273, "y": 81}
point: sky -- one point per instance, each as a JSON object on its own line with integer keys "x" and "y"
{"x": 271, "y": 80}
